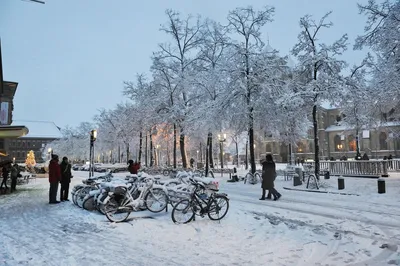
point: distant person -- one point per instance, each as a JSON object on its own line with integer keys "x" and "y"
{"x": 365, "y": 157}
{"x": 191, "y": 162}
{"x": 54, "y": 178}
{"x": 66, "y": 176}
{"x": 133, "y": 167}
{"x": 268, "y": 178}
{"x": 15, "y": 173}
{"x": 390, "y": 158}
{"x": 5, "y": 172}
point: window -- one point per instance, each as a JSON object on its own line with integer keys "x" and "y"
{"x": 268, "y": 147}
{"x": 338, "y": 143}
{"x": 382, "y": 141}
{"x": 352, "y": 143}
{"x": 300, "y": 147}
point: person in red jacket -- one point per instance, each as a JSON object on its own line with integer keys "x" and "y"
{"x": 54, "y": 178}
{"x": 133, "y": 167}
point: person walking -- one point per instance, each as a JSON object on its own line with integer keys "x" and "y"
{"x": 268, "y": 176}
{"x": 54, "y": 178}
{"x": 5, "y": 172}
{"x": 66, "y": 176}
{"x": 15, "y": 173}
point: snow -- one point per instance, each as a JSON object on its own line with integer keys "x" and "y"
{"x": 302, "y": 228}
{"x": 39, "y": 129}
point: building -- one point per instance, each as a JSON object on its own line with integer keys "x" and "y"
{"x": 336, "y": 140}
{"x": 40, "y": 134}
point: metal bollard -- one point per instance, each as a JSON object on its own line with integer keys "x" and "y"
{"x": 340, "y": 183}
{"x": 381, "y": 186}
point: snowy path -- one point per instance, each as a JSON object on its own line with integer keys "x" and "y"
{"x": 300, "y": 229}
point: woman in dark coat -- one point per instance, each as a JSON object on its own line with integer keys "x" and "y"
{"x": 268, "y": 176}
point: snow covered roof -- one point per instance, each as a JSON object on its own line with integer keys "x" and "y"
{"x": 39, "y": 129}
{"x": 327, "y": 105}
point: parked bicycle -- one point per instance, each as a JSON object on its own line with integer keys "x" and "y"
{"x": 216, "y": 205}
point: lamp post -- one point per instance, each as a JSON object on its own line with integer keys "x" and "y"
{"x": 222, "y": 139}
{"x": 197, "y": 156}
{"x": 93, "y": 137}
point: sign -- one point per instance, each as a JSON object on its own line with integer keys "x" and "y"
{"x": 4, "y": 113}
{"x": 365, "y": 134}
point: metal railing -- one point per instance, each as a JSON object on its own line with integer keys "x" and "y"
{"x": 361, "y": 168}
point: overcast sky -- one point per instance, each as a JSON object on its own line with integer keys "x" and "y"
{"x": 70, "y": 57}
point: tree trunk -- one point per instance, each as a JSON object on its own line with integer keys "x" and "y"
{"x": 251, "y": 142}
{"x": 316, "y": 141}
{"x": 140, "y": 146}
{"x": 237, "y": 154}
{"x": 145, "y": 152}
{"x": 210, "y": 150}
{"x": 207, "y": 155}
{"x": 151, "y": 150}
{"x": 127, "y": 152}
{"x": 175, "y": 146}
{"x": 119, "y": 154}
{"x": 246, "y": 155}
{"x": 182, "y": 148}
{"x": 358, "y": 155}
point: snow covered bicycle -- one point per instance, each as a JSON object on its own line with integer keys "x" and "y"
{"x": 216, "y": 205}
{"x": 120, "y": 203}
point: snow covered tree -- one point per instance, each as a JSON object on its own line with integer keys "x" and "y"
{"x": 381, "y": 35}
{"x": 178, "y": 58}
{"x": 318, "y": 69}
{"x": 246, "y": 46}
{"x": 356, "y": 101}
{"x": 30, "y": 160}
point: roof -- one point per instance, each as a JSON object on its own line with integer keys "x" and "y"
{"x": 328, "y": 106}
{"x": 39, "y": 129}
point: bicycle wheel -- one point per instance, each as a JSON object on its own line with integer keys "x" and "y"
{"x": 257, "y": 177}
{"x": 248, "y": 178}
{"x": 114, "y": 212}
{"x": 182, "y": 213}
{"x": 81, "y": 196}
{"x": 219, "y": 207}
{"x": 75, "y": 193}
{"x": 165, "y": 172}
{"x": 156, "y": 200}
{"x": 89, "y": 203}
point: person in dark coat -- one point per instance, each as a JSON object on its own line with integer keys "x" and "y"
{"x": 5, "y": 172}
{"x": 268, "y": 176}
{"x": 66, "y": 176}
{"x": 54, "y": 178}
{"x": 15, "y": 173}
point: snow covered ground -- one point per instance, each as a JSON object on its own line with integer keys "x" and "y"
{"x": 302, "y": 228}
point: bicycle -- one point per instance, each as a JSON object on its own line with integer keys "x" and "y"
{"x": 120, "y": 201}
{"x": 252, "y": 178}
{"x": 201, "y": 204}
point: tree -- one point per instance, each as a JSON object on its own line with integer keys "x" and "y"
{"x": 246, "y": 24}
{"x": 356, "y": 101}
{"x": 318, "y": 69}
{"x": 178, "y": 57}
{"x": 381, "y": 35}
{"x": 30, "y": 160}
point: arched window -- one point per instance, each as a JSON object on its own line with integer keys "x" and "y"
{"x": 268, "y": 148}
{"x": 382, "y": 141}
{"x": 338, "y": 143}
{"x": 352, "y": 143}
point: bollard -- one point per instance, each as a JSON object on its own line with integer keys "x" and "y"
{"x": 327, "y": 175}
{"x": 340, "y": 183}
{"x": 296, "y": 180}
{"x": 381, "y": 186}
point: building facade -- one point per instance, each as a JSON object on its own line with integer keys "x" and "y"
{"x": 40, "y": 134}
{"x": 336, "y": 140}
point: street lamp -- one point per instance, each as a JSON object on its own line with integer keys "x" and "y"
{"x": 222, "y": 139}
{"x": 93, "y": 137}
{"x": 197, "y": 156}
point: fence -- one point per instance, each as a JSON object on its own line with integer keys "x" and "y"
{"x": 360, "y": 168}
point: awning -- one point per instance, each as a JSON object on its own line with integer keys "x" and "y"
{"x": 13, "y": 131}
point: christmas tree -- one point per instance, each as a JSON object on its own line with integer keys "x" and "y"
{"x": 30, "y": 160}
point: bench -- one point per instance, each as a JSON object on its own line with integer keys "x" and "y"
{"x": 289, "y": 173}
